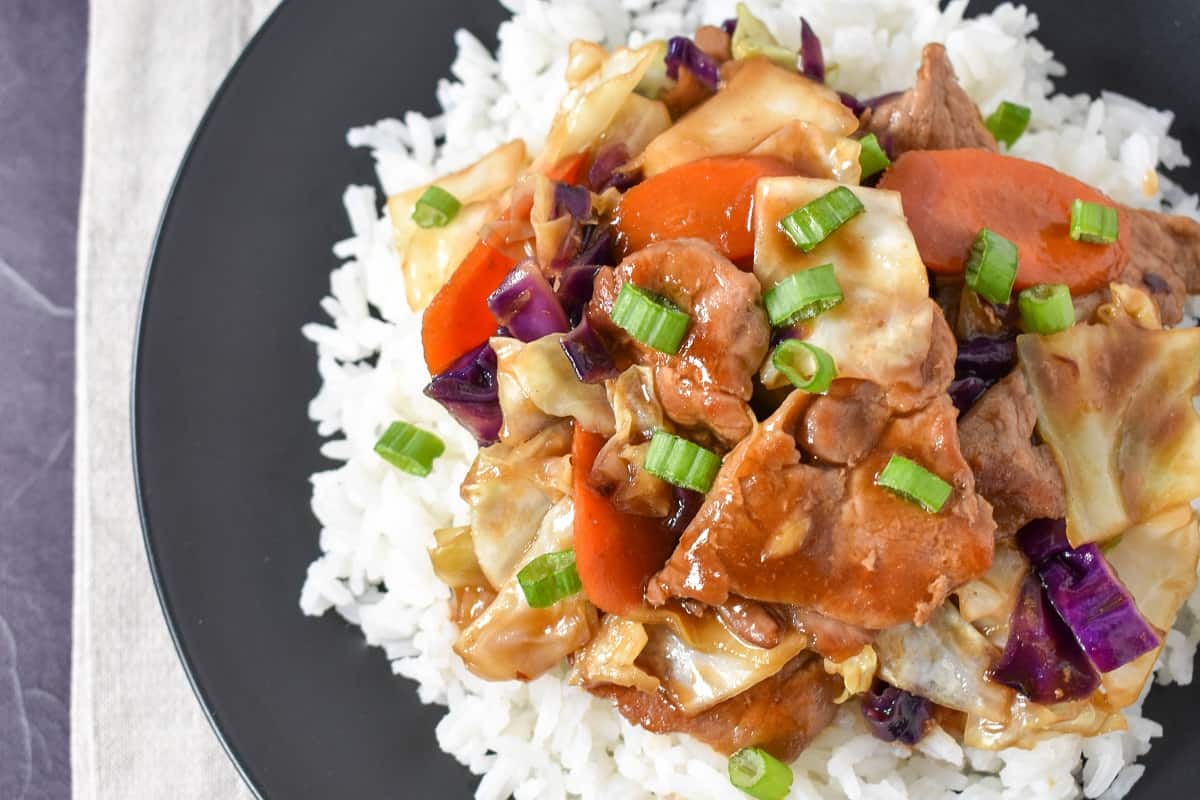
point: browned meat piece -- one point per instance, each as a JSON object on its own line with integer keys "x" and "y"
{"x": 828, "y": 637}
{"x": 1164, "y": 258}
{"x": 779, "y": 530}
{"x": 1019, "y": 478}
{"x": 843, "y": 426}
{"x": 685, "y": 94}
{"x": 715, "y": 43}
{"x": 936, "y": 114}
{"x": 707, "y": 385}
{"x": 781, "y": 714}
{"x": 753, "y": 623}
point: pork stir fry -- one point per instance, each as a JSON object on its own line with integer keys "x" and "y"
{"x": 788, "y": 401}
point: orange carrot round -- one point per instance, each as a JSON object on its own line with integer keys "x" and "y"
{"x": 458, "y": 318}
{"x": 950, "y": 195}
{"x": 710, "y": 199}
{"x": 615, "y": 553}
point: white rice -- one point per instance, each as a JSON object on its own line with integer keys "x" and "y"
{"x": 547, "y": 739}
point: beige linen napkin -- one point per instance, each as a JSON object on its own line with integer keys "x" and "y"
{"x": 137, "y": 730}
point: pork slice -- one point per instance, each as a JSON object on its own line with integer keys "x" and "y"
{"x": 1019, "y": 478}
{"x": 1164, "y": 259}
{"x": 782, "y": 714}
{"x": 826, "y": 538}
{"x": 936, "y": 114}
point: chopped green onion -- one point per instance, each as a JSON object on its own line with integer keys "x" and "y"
{"x": 751, "y": 37}
{"x": 1047, "y": 308}
{"x": 409, "y": 448}
{"x": 807, "y": 366}
{"x": 1093, "y": 223}
{"x": 436, "y": 208}
{"x": 872, "y": 157}
{"x": 1008, "y": 122}
{"x": 992, "y": 267}
{"x": 549, "y": 578}
{"x": 816, "y": 221}
{"x": 914, "y": 483}
{"x": 803, "y": 295}
{"x": 759, "y": 774}
{"x": 681, "y": 463}
{"x": 653, "y": 321}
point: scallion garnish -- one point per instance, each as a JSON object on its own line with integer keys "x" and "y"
{"x": 914, "y": 483}
{"x": 992, "y": 267}
{"x": 803, "y": 295}
{"x": 872, "y": 157}
{"x": 1008, "y": 122}
{"x": 807, "y": 366}
{"x": 1094, "y": 223}
{"x": 436, "y": 208}
{"x": 681, "y": 463}
{"x": 409, "y": 448}
{"x": 653, "y": 321}
{"x": 816, "y": 221}
{"x": 1046, "y": 308}
{"x": 759, "y": 774}
{"x": 549, "y": 578}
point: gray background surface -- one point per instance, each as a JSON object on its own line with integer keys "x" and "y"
{"x": 42, "y": 61}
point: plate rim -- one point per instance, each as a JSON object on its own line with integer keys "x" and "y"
{"x": 239, "y": 763}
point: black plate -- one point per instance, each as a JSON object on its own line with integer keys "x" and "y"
{"x": 223, "y": 445}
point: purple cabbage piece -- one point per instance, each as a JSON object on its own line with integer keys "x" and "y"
{"x": 965, "y": 392}
{"x": 812, "y": 57}
{"x": 895, "y": 715}
{"x": 469, "y": 391}
{"x": 981, "y": 362}
{"x": 1041, "y": 659}
{"x": 986, "y": 357}
{"x": 682, "y": 51}
{"x": 603, "y": 173}
{"x": 858, "y": 106}
{"x": 526, "y": 305}
{"x": 576, "y": 281}
{"x": 572, "y": 201}
{"x": 575, "y": 287}
{"x": 588, "y": 356}
{"x": 1088, "y": 596}
{"x": 853, "y": 103}
{"x": 729, "y": 25}
{"x": 685, "y": 504}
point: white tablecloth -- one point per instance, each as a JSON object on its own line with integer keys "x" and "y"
{"x": 137, "y": 729}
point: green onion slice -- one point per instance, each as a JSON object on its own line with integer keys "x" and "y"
{"x": 1046, "y": 308}
{"x": 549, "y": 578}
{"x": 1093, "y": 223}
{"x": 1008, "y": 122}
{"x": 436, "y": 208}
{"x": 409, "y": 448}
{"x": 681, "y": 463}
{"x": 751, "y": 37}
{"x": 759, "y": 774}
{"x": 992, "y": 267}
{"x": 652, "y": 320}
{"x": 816, "y": 221}
{"x": 914, "y": 483}
{"x": 872, "y": 157}
{"x": 807, "y": 366}
{"x": 803, "y": 295}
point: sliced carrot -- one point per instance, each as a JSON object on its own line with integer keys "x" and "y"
{"x": 458, "y": 319}
{"x": 949, "y": 195}
{"x": 569, "y": 169}
{"x": 710, "y": 199}
{"x": 615, "y": 553}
